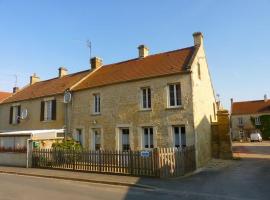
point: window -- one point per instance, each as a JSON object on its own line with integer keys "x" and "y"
{"x": 97, "y": 139}
{"x": 148, "y": 138}
{"x": 179, "y": 134}
{"x": 78, "y": 136}
{"x": 240, "y": 121}
{"x": 15, "y": 112}
{"x": 199, "y": 71}
{"x": 48, "y": 110}
{"x": 146, "y": 98}
{"x": 257, "y": 121}
{"x": 125, "y": 139}
{"x": 174, "y": 95}
{"x": 96, "y": 103}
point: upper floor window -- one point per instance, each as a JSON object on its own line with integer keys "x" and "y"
{"x": 48, "y": 110}
{"x": 148, "y": 137}
{"x": 257, "y": 121}
{"x": 240, "y": 121}
{"x": 174, "y": 95}
{"x": 179, "y": 134}
{"x": 146, "y": 98}
{"x": 15, "y": 112}
{"x": 96, "y": 103}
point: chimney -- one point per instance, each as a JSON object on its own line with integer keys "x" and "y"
{"x": 198, "y": 39}
{"x": 34, "y": 79}
{"x": 95, "y": 62}
{"x": 62, "y": 72}
{"x": 231, "y": 101}
{"x": 143, "y": 51}
{"x": 15, "y": 89}
{"x": 265, "y": 98}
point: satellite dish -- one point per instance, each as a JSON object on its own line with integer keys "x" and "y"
{"x": 67, "y": 97}
{"x": 24, "y": 114}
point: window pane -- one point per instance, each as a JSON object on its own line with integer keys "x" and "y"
{"x": 146, "y": 142}
{"x": 149, "y": 98}
{"x": 176, "y": 137}
{"x": 183, "y": 136}
{"x": 144, "y": 98}
{"x": 178, "y": 94}
{"x": 171, "y": 95}
{"x": 125, "y": 140}
{"x": 97, "y": 140}
{"x": 151, "y": 138}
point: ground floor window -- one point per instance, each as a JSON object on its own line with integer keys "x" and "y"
{"x": 97, "y": 139}
{"x": 125, "y": 139}
{"x": 179, "y": 136}
{"x": 78, "y": 136}
{"x": 148, "y": 137}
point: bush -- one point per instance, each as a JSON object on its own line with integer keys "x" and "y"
{"x": 67, "y": 145}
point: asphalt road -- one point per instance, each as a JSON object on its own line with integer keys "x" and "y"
{"x": 245, "y": 179}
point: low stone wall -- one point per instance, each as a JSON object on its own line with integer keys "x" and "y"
{"x": 13, "y": 159}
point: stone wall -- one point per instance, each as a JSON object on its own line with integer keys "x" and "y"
{"x": 221, "y": 137}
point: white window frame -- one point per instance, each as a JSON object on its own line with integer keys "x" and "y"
{"x": 175, "y": 96}
{"x": 15, "y": 115}
{"x": 180, "y": 135}
{"x": 257, "y": 121}
{"x": 96, "y": 106}
{"x": 240, "y": 121}
{"x": 47, "y": 110}
{"x": 147, "y": 90}
{"x": 118, "y": 136}
{"x": 93, "y": 138}
{"x": 149, "y": 137}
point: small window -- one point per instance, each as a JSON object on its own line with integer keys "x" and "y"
{"x": 179, "y": 134}
{"x": 199, "y": 71}
{"x": 148, "y": 137}
{"x": 125, "y": 139}
{"x": 97, "y": 139}
{"x": 257, "y": 121}
{"x": 96, "y": 103}
{"x": 78, "y": 136}
{"x": 174, "y": 95}
{"x": 48, "y": 110}
{"x": 15, "y": 112}
{"x": 240, "y": 121}
{"x": 146, "y": 98}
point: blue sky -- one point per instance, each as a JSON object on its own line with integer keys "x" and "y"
{"x": 40, "y": 36}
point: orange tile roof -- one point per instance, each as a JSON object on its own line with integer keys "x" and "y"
{"x": 47, "y": 88}
{"x": 250, "y": 107}
{"x": 151, "y": 66}
{"x": 4, "y": 95}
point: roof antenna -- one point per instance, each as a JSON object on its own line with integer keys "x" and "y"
{"x": 89, "y": 45}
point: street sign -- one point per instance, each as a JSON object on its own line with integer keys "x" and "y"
{"x": 145, "y": 154}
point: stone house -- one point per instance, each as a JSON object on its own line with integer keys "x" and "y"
{"x": 160, "y": 100}
{"x": 241, "y": 113}
{"x": 41, "y": 100}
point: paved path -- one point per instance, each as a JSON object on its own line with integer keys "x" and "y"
{"x": 244, "y": 179}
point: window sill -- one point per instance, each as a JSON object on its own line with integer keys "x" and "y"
{"x": 145, "y": 109}
{"x": 48, "y": 121}
{"x": 96, "y": 114}
{"x": 175, "y": 107}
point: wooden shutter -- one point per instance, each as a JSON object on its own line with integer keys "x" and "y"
{"x": 42, "y": 110}
{"x": 54, "y": 109}
{"x": 10, "y": 114}
{"x": 19, "y": 114}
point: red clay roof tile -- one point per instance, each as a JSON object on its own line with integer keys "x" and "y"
{"x": 250, "y": 107}
{"x": 4, "y": 95}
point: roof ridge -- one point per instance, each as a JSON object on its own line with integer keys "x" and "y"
{"x": 152, "y": 55}
{"x": 249, "y": 101}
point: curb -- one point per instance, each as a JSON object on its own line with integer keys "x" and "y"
{"x": 81, "y": 180}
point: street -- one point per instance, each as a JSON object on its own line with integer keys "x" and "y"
{"x": 245, "y": 178}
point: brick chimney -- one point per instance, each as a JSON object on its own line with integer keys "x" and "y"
{"x": 265, "y": 98}
{"x": 143, "y": 51}
{"x": 198, "y": 39}
{"x": 15, "y": 89}
{"x": 34, "y": 79}
{"x": 62, "y": 72}
{"x": 95, "y": 62}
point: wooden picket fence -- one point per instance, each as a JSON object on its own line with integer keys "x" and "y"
{"x": 160, "y": 162}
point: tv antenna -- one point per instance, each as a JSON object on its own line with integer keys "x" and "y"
{"x": 89, "y": 45}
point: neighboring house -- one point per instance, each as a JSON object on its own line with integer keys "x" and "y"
{"x": 4, "y": 95}
{"x": 241, "y": 113}
{"x": 41, "y": 100}
{"x": 160, "y": 100}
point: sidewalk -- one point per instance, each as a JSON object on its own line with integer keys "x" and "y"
{"x": 81, "y": 176}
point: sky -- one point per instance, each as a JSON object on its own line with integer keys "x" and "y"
{"x": 41, "y": 36}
